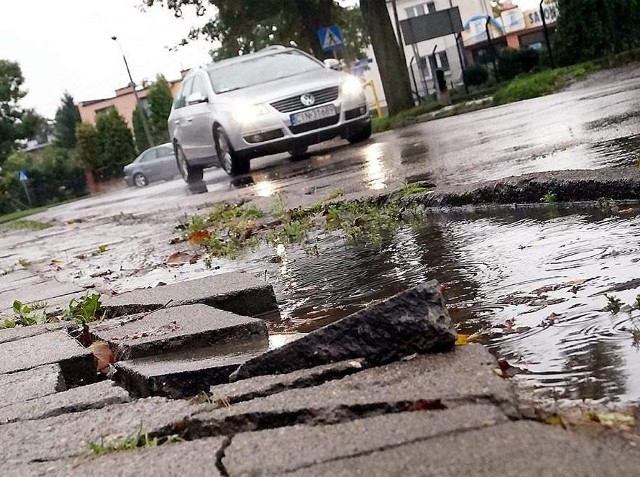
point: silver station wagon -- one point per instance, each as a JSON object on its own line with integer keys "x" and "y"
{"x": 276, "y": 100}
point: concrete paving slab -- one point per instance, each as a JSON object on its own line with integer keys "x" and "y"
{"x": 427, "y": 382}
{"x": 76, "y": 362}
{"x": 44, "y": 291}
{"x": 30, "y": 384}
{"x": 413, "y": 321}
{"x": 20, "y": 332}
{"x": 517, "y": 449}
{"x": 189, "y": 458}
{"x": 69, "y": 435}
{"x": 93, "y": 396}
{"x": 262, "y": 386}
{"x": 238, "y": 293}
{"x": 18, "y": 279}
{"x": 176, "y": 328}
{"x": 185, "y": 373}
{"x": 275, "y": 451}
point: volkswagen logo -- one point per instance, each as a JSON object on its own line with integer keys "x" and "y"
{"x": 307, "y": 99}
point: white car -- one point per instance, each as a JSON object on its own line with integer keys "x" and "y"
{"x": 278, "y": 99}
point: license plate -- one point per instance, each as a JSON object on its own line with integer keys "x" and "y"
{"x": 313, "y": 115}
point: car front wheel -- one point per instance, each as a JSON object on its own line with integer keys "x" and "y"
{"x": 229, "y": 161}
{"x": 140, "y": 180}
{"x": 190, "y": 174}
{"x": 359, "y": 134}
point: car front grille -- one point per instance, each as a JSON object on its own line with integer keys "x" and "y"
{"x": 310, "y": 126}
{"x": 322, "y": 96}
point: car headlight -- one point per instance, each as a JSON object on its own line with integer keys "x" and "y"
{"x": 352, "y": 86}
{"x": 246, "y": 113}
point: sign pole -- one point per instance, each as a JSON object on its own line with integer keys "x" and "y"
{"x": 26, "y": 191}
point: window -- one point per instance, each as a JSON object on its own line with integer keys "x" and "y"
{"x": 440, "y": 60}
{"x": 198, "y": 87}
{"x": 148, "y": 156}
{"x": 181, "y": 97}
{"x": 421, "y": 9}
{"x": 164, "y": 151}
{"x": 262, "y": 69}
{"x": 105, "y": 110}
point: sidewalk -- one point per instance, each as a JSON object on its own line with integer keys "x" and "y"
{"x": 352, "y": 402}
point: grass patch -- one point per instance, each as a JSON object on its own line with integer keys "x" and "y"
{"x": 542, "y": 83}
{"x": 404, "y": 118}
{"x": 81, "y": 311}
{"x": 20, "y": 214}
{"x": 140, "y": 440}
{"x": 26, "y": 224}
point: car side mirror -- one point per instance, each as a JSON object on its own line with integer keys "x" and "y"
{"x": 332, "y": 63}
{"x": 196, "y": 97}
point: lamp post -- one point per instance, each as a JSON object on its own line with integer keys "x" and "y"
{"x": 143, "y": 112}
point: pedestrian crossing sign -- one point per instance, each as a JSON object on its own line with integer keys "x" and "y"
{"x": 331, "y": 38}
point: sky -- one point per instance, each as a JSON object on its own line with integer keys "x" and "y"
{"x": 65, "y": 45}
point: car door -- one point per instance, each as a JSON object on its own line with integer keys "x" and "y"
{"x": 146, "y": 164}
{"x": 177, "y": 120}
{"x": 199, "y": 117}
{"x": 166, "y": 160}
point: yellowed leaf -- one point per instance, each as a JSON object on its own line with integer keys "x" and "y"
{"x": 612, "y": 418}
{"x": 199, "y": 236}
{"x": 103, "y": 355}
{"x": 462, "y": 339}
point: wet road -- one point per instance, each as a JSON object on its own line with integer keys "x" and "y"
{"x": 496, "y": 266}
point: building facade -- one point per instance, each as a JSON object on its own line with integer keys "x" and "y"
{"x": 124, "y": 102}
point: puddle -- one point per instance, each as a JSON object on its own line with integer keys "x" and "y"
{"x": 624, "y": 151}
{"x": 532, "y": 284}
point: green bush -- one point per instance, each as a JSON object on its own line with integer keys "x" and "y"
{"x": 54, "y": 176}
{"x": 515, "y": 62}
{"x": 475, "y": 75}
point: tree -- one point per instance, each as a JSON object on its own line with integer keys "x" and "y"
{"x": 12, "y": 127}
{"x": 88, "y": 146}
{"x": 393, "y": 71}
{"x": 67, "y": 118}
{"x": 115, "y": 143}
{"x": 589, "y": 29}
{"x": 139, "y": 135}
{"x": 160, "y": 101}
{"x": 249, "y": 25}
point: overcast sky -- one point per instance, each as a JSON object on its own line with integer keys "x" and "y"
{"x": 66, "y": 45}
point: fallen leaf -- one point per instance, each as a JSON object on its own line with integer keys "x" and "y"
{"x": 199, "y": 236}
{"x": 180, "y": 258}
{"x": 103, "y": 355}
{"x": 611, "y": 418}
{"x": 462, "y": 340}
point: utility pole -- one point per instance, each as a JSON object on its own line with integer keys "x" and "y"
{"x": 145, "y": 122}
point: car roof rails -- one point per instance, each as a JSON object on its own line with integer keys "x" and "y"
{"x": 273, "y": 47}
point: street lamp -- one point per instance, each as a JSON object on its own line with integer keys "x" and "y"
{"x": 143, "y": 112}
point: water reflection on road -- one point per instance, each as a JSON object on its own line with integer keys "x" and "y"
{"x": 532, "y": 282}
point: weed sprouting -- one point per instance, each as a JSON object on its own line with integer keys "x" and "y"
{"x": 549, "y": 198}
{"x": 26, "y": 315}
{"x": 23, "y": 262}
{"x": 613, "y": 304}
{"x": 140, "y": 440}
{"x": 410, "y": 189}
{"x": 83, "y": 310}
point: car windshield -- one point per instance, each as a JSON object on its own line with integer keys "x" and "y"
{"x": 260, "y": 70}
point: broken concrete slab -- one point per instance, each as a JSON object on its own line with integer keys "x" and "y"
{"x": 76, "y": 362}
{"x": 185, "y": 373}
{"x": 234, "y": 292}
{"x": 192, "y": 458}
{"x": 93, "y": 396}
{"x": 39, "y": 292}
{"x": 276, "y": 451}
{"x": 517, "y": 449}
{"x": 69, "y": 435}
{"x": 177, "y": 328}
{"x": 20, "y": 332}
{"x": 30, "y": 384}
{"x": 413, "y": 321}
{"x": 437, "y": 381}
{"x": 262, "y": 386}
